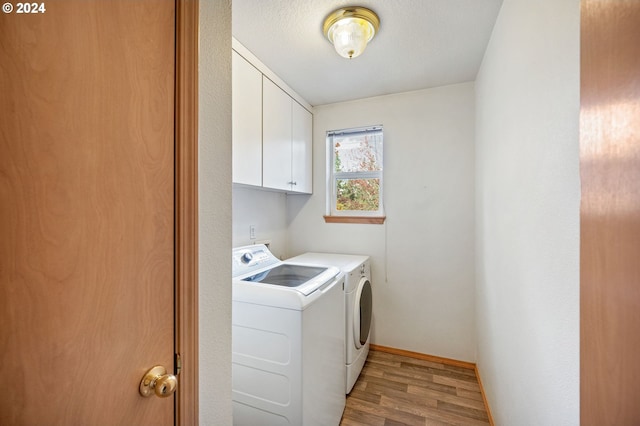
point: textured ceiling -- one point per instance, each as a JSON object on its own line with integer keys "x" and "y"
{"x": 421, "y": 44}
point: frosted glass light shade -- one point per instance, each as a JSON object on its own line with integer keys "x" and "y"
{"x": 351, "y": 29}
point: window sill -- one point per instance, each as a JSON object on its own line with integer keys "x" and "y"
{"x": 373, "y": 220}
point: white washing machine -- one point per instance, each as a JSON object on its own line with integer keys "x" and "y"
{"x": 287, "y": 341}
{"x": 358, "y": 304}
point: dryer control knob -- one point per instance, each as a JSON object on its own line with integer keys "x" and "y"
{"x": 246, "y": 258}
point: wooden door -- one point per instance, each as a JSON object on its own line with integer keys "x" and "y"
{"x": 87, "y": 211}
{"x": 610, "y": 213}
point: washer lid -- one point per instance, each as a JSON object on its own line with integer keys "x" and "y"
{"x": 303, "y": 278}
{"x": 287, "y": 275}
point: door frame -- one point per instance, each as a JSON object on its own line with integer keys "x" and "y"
{"x": 186, "y": 210}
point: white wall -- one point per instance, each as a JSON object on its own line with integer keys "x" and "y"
{"x": 423, "y": 257}
{"x": 528, "y": 199}
{"x": 267, "y": 211}
{"x": 214, "y": 193}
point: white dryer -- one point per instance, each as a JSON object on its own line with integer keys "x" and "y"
{"x": 358, "y": 298}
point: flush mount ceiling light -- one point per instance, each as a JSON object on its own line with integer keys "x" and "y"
{"x": 350, "y": 29}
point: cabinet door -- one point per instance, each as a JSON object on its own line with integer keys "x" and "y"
{"x": 247, "y": 122}
{"x": 301, "y": 160}
{"x": 276, "y": 137}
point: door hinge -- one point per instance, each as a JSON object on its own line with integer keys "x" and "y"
{"x": 178, "y": 363}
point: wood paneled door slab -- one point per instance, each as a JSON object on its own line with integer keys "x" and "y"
{"x": 87, "y": 211}
{"x": 610, "y": 213}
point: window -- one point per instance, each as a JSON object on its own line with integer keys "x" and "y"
{"x": 354, "y": 192}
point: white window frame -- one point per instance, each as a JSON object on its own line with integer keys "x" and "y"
{"x": 333, "y": 176}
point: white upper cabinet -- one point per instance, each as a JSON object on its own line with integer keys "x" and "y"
{"x": 276, "y": 137}
{"x": 301, "y": 149}
{"x": 272, "y": 128}
{"x": 286, "y": 141}
{"x": 247, "y": 122}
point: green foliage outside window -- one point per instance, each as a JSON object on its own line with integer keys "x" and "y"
{"x": 363, "y": 193}
{"x": 358, "y": 194}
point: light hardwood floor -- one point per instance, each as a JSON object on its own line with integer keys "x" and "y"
{"x": 399, "y": 390}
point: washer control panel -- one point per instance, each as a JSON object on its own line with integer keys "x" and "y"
{"x": 250, "y": 258}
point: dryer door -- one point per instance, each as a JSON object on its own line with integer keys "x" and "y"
{"x": 362, "y": 310}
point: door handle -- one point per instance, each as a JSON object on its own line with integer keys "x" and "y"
{"x": 159, "y": 382}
